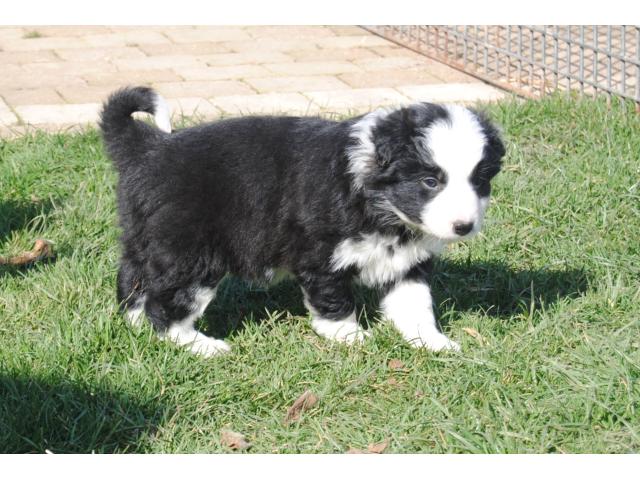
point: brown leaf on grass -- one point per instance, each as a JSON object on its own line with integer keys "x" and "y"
{"x": 474, "y": 333}
{"x": 233, "y": 440}
{"x": 393, "y": 382}
{"x": 304, "y": 402}
{"x": 378, "y": 447}
{"x": 355, "y": 450}
{"x": 395, "y": 364}
{"x": 372, "y": 448}
{"x": 42, "y": 250}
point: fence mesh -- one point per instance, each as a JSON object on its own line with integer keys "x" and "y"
{"x": 534, "y": 60}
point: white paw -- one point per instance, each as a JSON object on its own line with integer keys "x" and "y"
{"x": 434, "y": 341}
{"x": 208, "y": 347}
{"x": 358, "y": 336}
{"x": 135, "y": 315}
{"x": 186, "y": 335}
{"x": 346, "y": 331}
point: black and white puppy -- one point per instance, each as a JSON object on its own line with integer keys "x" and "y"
{"x": 371, "y": 199}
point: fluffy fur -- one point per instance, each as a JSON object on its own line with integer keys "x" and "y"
{"x": 372, "y": 199}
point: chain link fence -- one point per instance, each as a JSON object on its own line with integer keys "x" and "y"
{"x": 534, "y": 60}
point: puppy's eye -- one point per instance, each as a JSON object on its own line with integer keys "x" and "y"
{"x": 430, "y": 182}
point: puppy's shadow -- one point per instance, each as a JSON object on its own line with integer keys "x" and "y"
{"x": 491, "y": 288}
{"x": 238, "y": 302}
{"x": 18, "y": 215}
{"x": 498, "y": 290}
{"x": 62, "y": 416}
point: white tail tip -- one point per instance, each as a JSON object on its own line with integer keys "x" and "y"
{"x": 162, "y": 115}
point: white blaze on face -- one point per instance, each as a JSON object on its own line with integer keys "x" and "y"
{"x": 456, "y": 146}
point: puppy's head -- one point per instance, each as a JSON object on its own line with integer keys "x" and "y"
{"x": 427, "y": 166}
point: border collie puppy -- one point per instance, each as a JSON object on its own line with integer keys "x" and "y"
{"x": 371, "y": 199}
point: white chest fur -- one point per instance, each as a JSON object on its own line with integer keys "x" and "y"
{"x": 381, "y": 259}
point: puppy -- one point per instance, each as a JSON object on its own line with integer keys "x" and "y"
{"x": 371, "y": 199}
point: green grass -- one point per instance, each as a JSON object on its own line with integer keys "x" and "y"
{"x": 32, "y": 34}
{"x": 552, "y": 285}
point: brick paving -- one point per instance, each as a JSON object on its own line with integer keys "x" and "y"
{"x": 55, "y": 78}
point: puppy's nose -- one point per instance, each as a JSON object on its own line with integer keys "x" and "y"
{"x": 462, "y": 228}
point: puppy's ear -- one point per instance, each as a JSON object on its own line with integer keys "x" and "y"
{"x": 385, "y": 151}
{"x": 393, "y": 134}
{"x": 494, "y": 148}
{"x": 495, "y": 144}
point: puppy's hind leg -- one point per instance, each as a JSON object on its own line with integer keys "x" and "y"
{"x": 174, "y": 312}
{"x": 131, "y": 297}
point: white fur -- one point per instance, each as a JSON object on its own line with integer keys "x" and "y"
{"x": 162, "y": 114}
{"x": 362, "y": 155}
{"x": 456, "y": 146}
{"x": 381, "y": 259}
{"x": 408, "y": 306}
{"x": 346, "y": 330}
{"x": 134, "y": 314}
{"x": 184, "y": 333}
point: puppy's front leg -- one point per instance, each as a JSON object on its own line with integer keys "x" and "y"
{"x": 408, "y": 305}
{"x": 329, "y": 299}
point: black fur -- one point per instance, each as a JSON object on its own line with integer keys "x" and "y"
{"x": 250, "y": 194}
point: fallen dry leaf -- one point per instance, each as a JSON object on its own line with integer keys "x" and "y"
{"x": 378, "y": 447}
{"x": 372, "y": 448}
{"x": 234, "y": 440}
{"x": 41, "y": 250}
{"x": 395, "y": 364}
{"x": 474, "y": 333}
{"x": 304, "y": 402}
{"x": 393, "y": 382}
{"x": 355, "y": 450}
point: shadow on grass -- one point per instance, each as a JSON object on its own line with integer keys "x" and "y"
{"x": 497, "y": 290}
{"x": 238, "y": 302}
{"x": 18, "y": 215}
{"x": 492, "y": 288}
{"x": 54, "y": 414}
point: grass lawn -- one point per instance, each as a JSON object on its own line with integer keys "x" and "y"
{"x": 552, "y": 286}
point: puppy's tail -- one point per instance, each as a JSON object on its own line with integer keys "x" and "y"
{"x": 119, "y": 129}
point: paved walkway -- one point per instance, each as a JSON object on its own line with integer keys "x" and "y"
{"x": 56, "y": 77}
